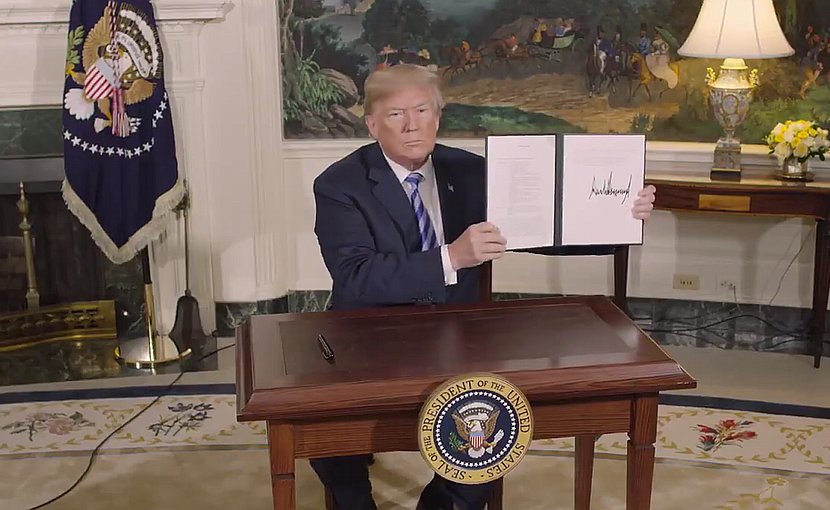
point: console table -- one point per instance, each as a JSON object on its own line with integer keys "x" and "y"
{"x": 759, "y": 193}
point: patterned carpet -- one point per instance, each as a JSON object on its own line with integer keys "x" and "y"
{"x": 189, "y": 452}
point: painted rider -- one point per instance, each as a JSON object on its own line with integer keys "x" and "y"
{"x": 559, "y": 28}
{"x": 540, "y": 28}
{"x": 603, "y": 44}
{"x": 512, "y": 43}
{"x": 644, "y": 44}
{"x": 659, "y": 46}
{"x": 620, "y": 52}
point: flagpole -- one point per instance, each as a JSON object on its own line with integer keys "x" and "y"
{"x": 155, "y": 349}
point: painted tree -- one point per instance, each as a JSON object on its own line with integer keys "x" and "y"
{"x": 304, "y": 89}
{"x": 397, "y": 23}
{"x": 787, "y": 11}
{"x": 290, "y": 56}
{"x": 414, "y": 22}
{"x": 380, "y": 24}
{"x": 308, "y": 8}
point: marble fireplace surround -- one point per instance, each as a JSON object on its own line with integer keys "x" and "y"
{"x": 33, "y": 35}
{"x": 252, "y": 241}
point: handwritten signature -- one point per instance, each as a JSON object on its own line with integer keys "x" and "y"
{"x": 607, "y": 188}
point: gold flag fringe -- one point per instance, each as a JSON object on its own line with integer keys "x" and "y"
{"x": 163, "y": 210}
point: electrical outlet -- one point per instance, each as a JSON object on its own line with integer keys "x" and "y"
{"x": 686, "y": 282}
{"x": 727, "y": 284}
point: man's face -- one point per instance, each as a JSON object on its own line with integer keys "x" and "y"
{"x": 406, "y": 125}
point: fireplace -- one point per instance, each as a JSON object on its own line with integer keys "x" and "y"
{"x": 68, "y": 266}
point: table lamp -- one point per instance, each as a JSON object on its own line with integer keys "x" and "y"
{"x": 734, "y": 30}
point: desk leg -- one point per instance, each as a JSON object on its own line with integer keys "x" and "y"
{"x": 621, "y": 279}
{"x": 497, "y": 496}
{"x": 281, "y": 447}
{"x": 583, "y": 471}
{"x": 641, "y": 439}
{"x": 821, "y": 287}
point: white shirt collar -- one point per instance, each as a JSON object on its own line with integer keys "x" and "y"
{"x": 402, "y": 172}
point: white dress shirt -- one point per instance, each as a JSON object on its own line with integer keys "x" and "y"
{"x": 429, "y": 196}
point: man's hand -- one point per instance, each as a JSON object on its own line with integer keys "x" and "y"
{"x": 479, "y": 243}
{"x": 644, "y": 203}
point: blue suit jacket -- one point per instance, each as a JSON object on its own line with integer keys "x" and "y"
{"x": 369, "y": 238}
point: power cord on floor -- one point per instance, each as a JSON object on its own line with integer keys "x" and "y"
{"x": 786, "y": 270}
{"x": 94, "y": 453}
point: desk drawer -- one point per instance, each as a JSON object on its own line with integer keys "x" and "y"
{"x": 765, "y": 201}
{"x": 734, "y": 203}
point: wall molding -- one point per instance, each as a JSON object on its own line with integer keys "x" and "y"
{"x": 15, "y": 12}
{"x": 45, "y": 95}
{"x": 656, "y": 152}
{"x": 261, "y": 38}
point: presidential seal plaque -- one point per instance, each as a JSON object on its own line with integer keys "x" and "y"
{"x": 475, "y": 428}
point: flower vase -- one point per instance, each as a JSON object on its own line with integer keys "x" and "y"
{"x": 794, "y": 170}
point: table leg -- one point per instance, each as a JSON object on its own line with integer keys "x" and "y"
{"x": 621, "y": 278}
{"x": 281, "y": 447}
{"x": 641, "y": 439}
{"x": 583, "y": 471}
{"x": 821, "y": 287}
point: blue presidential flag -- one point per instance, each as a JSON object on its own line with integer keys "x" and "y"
{"x": 122, "y": 178}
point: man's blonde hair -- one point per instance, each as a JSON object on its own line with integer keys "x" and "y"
{"x": 385, "y": 82}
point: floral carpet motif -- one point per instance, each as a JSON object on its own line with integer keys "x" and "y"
{"x": 79, "y": 425}
{"x": 728, "y": 437}
{"x": 54, "y": 423}
{"x": 725, "y": 433}
{"x": 684, "y": 433}
{"x": 705, "y": 458}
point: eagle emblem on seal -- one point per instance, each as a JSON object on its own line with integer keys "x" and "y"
{"x": 475, "y": 425}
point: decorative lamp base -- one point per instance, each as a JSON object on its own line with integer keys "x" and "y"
{"x": 730, "y": 94}
{"x": 727, "y": 163}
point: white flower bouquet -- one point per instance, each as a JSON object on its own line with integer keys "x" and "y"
{"x": 799, "y": 139}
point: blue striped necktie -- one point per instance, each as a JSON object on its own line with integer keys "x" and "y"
{"x": 429, "y": 239}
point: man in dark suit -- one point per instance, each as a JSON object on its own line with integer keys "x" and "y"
{"x": 400, "y": 222}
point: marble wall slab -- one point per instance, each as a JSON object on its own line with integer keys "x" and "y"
{"x": 31, "y": 132}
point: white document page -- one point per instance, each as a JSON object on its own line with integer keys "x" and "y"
{"x": 602, "y": 175}
{"x": 521, "y": 187}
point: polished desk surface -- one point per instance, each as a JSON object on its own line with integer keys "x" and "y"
{"x": 390, "y": 359}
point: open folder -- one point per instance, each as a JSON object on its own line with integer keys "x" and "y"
{"x": 565, "y": 189}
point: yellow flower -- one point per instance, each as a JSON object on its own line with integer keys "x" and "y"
{"x": 803, "y": 134}
{"x": 813, "y": 131}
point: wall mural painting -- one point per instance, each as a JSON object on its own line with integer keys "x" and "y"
{"x": 525, "y": 66}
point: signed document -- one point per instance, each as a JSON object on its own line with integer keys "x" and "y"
{"x": 600, "y": 177}
{"x": 565, "y": 189}
{"x": 521, "y": 187}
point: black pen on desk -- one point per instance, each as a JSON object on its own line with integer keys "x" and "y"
{"x": 328, "y": 354}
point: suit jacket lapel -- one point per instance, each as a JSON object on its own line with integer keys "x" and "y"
{"x": 388, "y": 190}
{"x": 452, "y": 207}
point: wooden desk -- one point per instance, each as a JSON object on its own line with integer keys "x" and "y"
{"x": 758, "y": 193}
{"x": 584, "y": 366}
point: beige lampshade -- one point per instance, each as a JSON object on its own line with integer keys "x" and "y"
{"x": 736, "y": 28}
